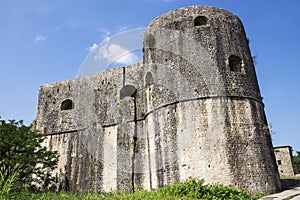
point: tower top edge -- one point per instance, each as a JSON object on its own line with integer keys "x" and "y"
{"x": 194, "y": 11}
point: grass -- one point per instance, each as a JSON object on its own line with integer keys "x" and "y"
{"x": 188, "y": 190}
{"x": 9, "y": 184}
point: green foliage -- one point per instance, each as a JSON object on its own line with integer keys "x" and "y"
{"x": 268, "y": 129}
{"x": 190, "y": 189}
{"x": 49, "y": 95}
{"x": 297, "y": 162}
{"x": 195, "y": 189}
{"x": 143, "y": 114}
{"x": 53, "y": 100}
{"x": 8, "y": 184}
{"x": 23, "y": 159}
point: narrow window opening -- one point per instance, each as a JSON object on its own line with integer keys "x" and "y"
{"x": 279, "y": 162}
{"x": 148, "y": 79}
{"x": 235, "y": 63}
{"x": 200, "y": 21}
{"x": 67, "y": 104}
{"x": 127, "y": 91}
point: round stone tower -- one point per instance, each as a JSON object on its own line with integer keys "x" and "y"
{"x": 204, "y": 110}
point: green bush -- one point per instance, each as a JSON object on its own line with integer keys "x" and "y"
{"x": 297, "y": 162}
{"x": 188, "y": 190}
{"x": 23, "y": 157}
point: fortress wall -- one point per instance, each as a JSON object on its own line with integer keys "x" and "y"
{"x": 232, "y": 150}
{"x": 248, "y": 147}
{"x": 110, "y": 159}
{"x": 94, "y": 97}
{"x": 79, "y": 166}
{"x": 181, "y": 145}
{"x": 183, "y": 137}
{"x": 217, "y": 49}
{"x": 77, "y": 134}
{"x": 191, "y": 108}
{"x": 199, "y": 136}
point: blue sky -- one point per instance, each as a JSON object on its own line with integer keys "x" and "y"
{"x": 43, "y": 41}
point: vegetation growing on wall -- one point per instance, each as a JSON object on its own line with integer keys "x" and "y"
{"x": 149, "y": 40}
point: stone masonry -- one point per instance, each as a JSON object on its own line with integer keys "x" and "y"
{"x": 284, "y": 159}
{"x": 191, "y": 108}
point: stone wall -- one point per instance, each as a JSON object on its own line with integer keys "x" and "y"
{"x": 191, "y": 108}
{"x": 284, "y": 159}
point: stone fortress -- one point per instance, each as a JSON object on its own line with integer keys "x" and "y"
{"x": 191, "y": 108}
{"x": 284, "y": 159}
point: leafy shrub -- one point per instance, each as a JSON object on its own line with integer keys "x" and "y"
{"x": 297, "y": 162}
{"x": 23, "y": 157}
{"x": 188, "y": 190}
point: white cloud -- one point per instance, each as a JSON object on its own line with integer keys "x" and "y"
{"x": 115, "y": 53}
{"x": 106, "y": 39}
{"x": 93, "y": 47}
{"x": 40, "y": 38}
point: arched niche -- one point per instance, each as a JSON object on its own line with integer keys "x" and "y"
{"x": 67, "y": 104}
{"x": 148, "y": 79}
{"x": 235, "y": 63}
{"x": 200, "y": 21}
{"x": 127, "y": 91}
